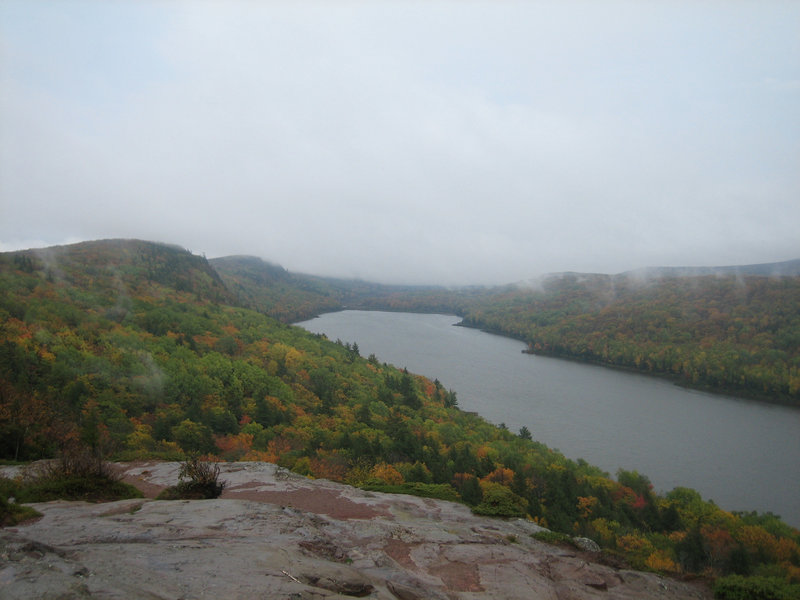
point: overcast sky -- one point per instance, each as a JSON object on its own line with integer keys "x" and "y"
{"x": 410, "y": 142}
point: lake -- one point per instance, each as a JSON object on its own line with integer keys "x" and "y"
{"x": 742, "y": 454}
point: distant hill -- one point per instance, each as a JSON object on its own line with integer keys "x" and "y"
{"x": 291, "y": 297}
{"x": 93, "y": 271}
{"x": 789, "y": 268}
{"x": 730, "y": 331}
{"x": 272, "y": 290}
{"x": 733, "y": 329}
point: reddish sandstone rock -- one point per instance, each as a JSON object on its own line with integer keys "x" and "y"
{"x": 274, "y": 534}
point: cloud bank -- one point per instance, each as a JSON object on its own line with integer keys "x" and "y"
{"x": 439, "y": 142}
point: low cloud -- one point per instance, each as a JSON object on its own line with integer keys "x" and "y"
{"x": 417, "y": 143}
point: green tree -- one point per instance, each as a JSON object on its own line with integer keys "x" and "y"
{"x": 500, "y": 501}
{"x": 193, "y": 437}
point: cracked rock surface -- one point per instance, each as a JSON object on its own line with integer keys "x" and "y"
{"x": 274, "y": 534}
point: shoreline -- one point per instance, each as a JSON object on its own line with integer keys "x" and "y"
{"x": 672, "y": 378}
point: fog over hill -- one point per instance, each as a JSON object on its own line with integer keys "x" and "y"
{"x": 272, "y": 271}
{"x": 787, "y": 268}
{"x": 438, "y": 143}
{"x": 265, "y": 271}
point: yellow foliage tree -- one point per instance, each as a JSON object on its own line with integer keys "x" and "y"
{"x": 603, "y": 531}
{"x": 500, "y": 475}
{"x": 757, "y": 541}
{"x": 661, "y": 561}
{"x": 637, "y": 549}
{"x": 141, "y": 438}
{"x": 586, "y": 504}
{"x": 387, "y": 473}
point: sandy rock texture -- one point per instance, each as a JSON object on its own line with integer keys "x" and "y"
{"x": 274, "y": 534}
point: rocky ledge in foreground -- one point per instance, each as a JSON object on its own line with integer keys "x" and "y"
{"x": 279, "y": 535}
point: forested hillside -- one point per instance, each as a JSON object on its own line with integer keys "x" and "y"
{"x": 734, "y": 330}
{"x": 291, "y": 297}
{"x": 140, "y": 350}
{"x": 274, "y": 291}
{"x": 736, "y": 334}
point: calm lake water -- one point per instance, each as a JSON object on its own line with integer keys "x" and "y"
{"x": 742, "y": 454}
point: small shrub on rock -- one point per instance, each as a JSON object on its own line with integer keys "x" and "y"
{"x": 77, "y": 474}
{"x": 199, "y": 481}
{"x": 12, "y": 513}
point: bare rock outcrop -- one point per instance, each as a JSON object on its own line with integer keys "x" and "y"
{"x": 277, "y": 535}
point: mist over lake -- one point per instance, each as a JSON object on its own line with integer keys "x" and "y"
{"x": 742, "y": 454}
